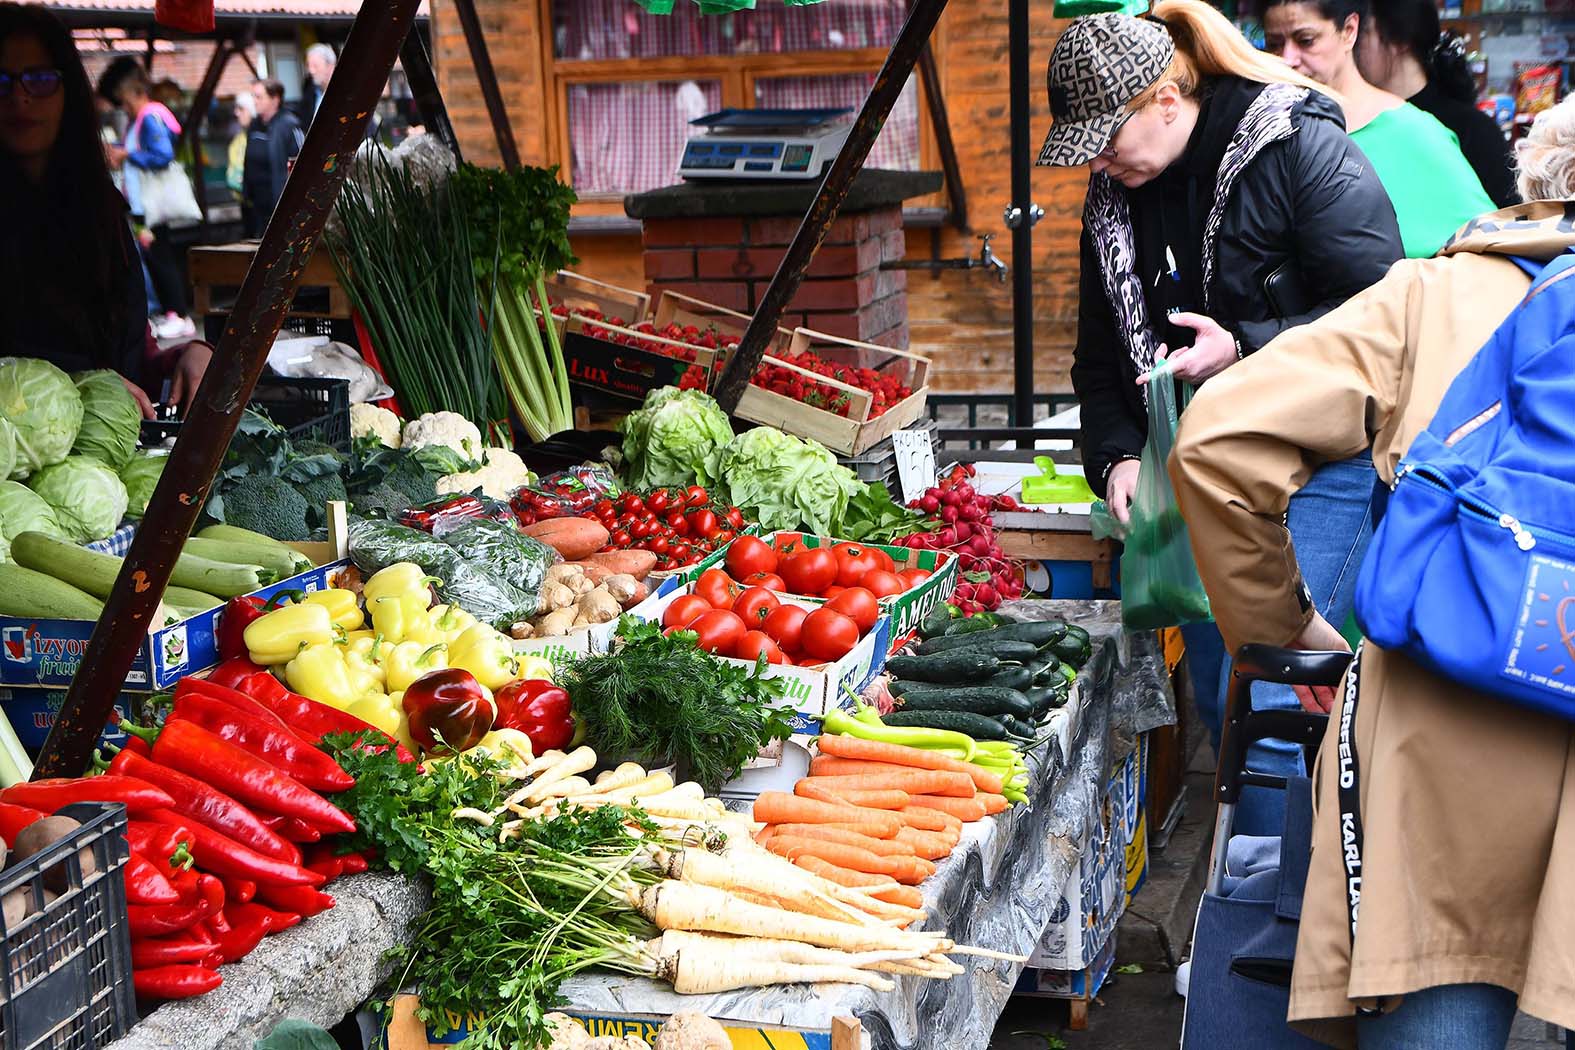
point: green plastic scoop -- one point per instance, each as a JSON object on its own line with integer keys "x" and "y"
{"x": 1049, "y": 486}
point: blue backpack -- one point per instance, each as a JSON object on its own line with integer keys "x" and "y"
{"x": 1471, "y": 571}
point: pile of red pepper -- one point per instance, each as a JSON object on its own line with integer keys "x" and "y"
{"x": 227, "y": 823}
{"x": 885, "y": 390}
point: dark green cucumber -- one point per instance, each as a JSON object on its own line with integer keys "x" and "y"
{"x": 1041, "y": 633}
{"x": 971, "y": 625}
{"x": 1045, "y": 668}
{"x": 1019, "y": 678}
{"x": 980, "y": 699}
{"x": 980, "y": 727}
{"x": 1075, "y": 648}
{"x": 1016, "y": 727}
{"x": 963, "y": 666}
{"x": 1046, "y": 699}
{"x": 1020, "y": 652}
{"x": 938, "y": 619}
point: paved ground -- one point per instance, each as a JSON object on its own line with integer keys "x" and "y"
{"x": 1133, "y": 1012}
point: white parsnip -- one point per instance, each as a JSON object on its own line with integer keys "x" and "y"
{"x": 679, "y": 906}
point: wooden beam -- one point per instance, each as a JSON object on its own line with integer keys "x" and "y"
{"x": 424, "y": 89}
{"x": 940, "y": 121}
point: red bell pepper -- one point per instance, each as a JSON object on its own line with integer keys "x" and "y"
{"x": 191, "y": 749}
{"x": 224, "y": 856}
{"x": 538, "y": 709}
{"x": 14, "y": 818}
{"x": 231, "y": 672}
{"x": 279, "y": 921}
{"x": 185, "y": 946}
{"x": 310, "y": 719}
{"x": 162, "y": 845}
{"x": 292, "y": 830}
{"x": 301, "y": 900}
{"x": 174, "y": 982}
{"x": 275, "y": 744}
{"x": 448, "y": 708}
{"x": 238, "y": 614}
{"x": 138, "y": 746}
{"x": 188, "y": 687}
{"x": 146, "y": 884}
{"x": 195, "y": 803}
{"x": 138, "y": 796}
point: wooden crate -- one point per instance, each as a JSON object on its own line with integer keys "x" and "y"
{"x": 673, "y": 308}
{"x": 595, "y": 359}
{"x": 217, "y": 271}
{"x": 857, "y": 431}
{"x": 579, "y": 293}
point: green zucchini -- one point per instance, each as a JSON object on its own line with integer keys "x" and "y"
{"x": 964, "y": 666}
{"x": 281, "y": 561}
{"x": 30, "y": 594}
{"x": 236, "y": 534}
{"x": 980, "y": 699}
{"x": 1039, "y": 632}
{"x": 217, "y": 577}
{"x": 186, "y": 598}
{"x": 1019, "y": 678}
{"x": 980, "y": 727}
{"x": 91, "y": 571}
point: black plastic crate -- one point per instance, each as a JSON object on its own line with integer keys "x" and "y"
{"x": 65, "y": 969}
{"x": 305, "y": 408}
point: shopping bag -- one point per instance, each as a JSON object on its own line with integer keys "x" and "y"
{"x": 167, "y": 198}
{"x": 1159, "y": 579}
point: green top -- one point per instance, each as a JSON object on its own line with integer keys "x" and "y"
{"x": 1430, "y": 182}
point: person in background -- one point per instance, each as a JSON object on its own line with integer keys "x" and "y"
{"x": 235, "y": 170}
{"x": 272, "y": 141}
{"x": 1433, "y": 188}
{"x": 1226, "y": 204}
{"x": 149, "y": 147}
{"x": 320, "y": 62}
{"x": 71, "y": 291}
{"x": 1401, "y": 50}
{"x": 1467, "y": 871}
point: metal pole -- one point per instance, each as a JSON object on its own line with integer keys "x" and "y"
{"x": 889, "y": 82}
{"x": 1020, "y": 217}
{"x": 424, "y": 88}
{"x": 487, "y": 77}
{"x": 956, "y": 195}
{"x": 265, "y": 295}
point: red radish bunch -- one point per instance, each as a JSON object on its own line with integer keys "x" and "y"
{"x": 965, "y": 528}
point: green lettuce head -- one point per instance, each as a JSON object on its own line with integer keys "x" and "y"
{"x": 111, "y": 420}
{"x": 141, "y": 476}
{"x": 674, "y": 439}
{"x": 88, "y": 498}
{"x": 23, "y": 510}
{"x": 42, "y": 403}
{"x": 785, "y": 482}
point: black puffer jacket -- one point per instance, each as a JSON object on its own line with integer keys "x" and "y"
{"x": 1307, "y": 208}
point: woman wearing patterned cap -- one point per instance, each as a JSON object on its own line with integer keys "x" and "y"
{"x": 1225, "y": 204}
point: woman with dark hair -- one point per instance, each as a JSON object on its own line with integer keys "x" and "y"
{"x": 1433, "y": 189}
{"x": 71, "y": 290}
{"x": 1402, "y": 51}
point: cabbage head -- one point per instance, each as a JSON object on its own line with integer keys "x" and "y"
{"x": 23, "y": 510}
{"x": 111, "y": 420}
{"x": 141, "y": 476}
{"x": 675, "y": 438}
{"x": 43, "y": 405}
{"x": 7, "y": 447}
{"x": 784, "y": 482}
{"x": 89, "y": 499}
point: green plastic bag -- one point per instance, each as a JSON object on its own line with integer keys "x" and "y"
{"x": 1159, "y": 579}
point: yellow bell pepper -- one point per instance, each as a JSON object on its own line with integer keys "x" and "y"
{"x": 509, "y": 746}
{"x": 386, "y": 713}
{"x": 366, "y": 655}
{"x": 401, "y": 617}
{"x": 450, "y": 621}
{"x": 401, "y": 578}
{"x": 320, "y": 672}
{"x": 351, "y": 637}
{"x": 485, "y": 653}
{"x": 279, "y": 636}
{"x": 342, "y": 607}
{"x": 533, "y": 667}
{"x": 408, "y": 661}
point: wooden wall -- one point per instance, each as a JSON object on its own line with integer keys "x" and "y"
{"x": 963, "y": 319}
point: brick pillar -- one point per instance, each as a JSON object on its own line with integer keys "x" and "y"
{"x": 730, "y": 261}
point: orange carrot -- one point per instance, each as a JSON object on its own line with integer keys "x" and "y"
{"x": 897, "y": 754}
{"x": 924, "y": 819}
{"x": 909, "y": 870}
{"x": 853, "y": 796}
{"x": 766, "y": 832}
{"x": 966, "y": 810}
{"x": 993, "y": 803}
{"x": 914, "y": 781}
{"x": 844, "y": 876}
{"x": 848, "y": 835}
{"x": 928, "y": 844}
{"x": 778, "y": 807}
{"x": 906, "y": 896}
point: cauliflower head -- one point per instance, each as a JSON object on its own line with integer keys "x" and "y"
{"x": 369, "y": 419}
{"x": 444, "y": 428}
{"x": 500, "y": 474}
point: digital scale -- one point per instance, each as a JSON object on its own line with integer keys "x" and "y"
{"x": 764, "y": 143}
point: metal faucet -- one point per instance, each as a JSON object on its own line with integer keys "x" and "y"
{"x": 985, "y": 260}
{"x": 990, "y": 261}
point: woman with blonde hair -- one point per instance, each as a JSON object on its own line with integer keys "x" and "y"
{"x": 1225, "y": 205}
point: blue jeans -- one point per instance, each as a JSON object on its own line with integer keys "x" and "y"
{"x": 1449, "y": 1017}
{"x": 1330, "y": 527}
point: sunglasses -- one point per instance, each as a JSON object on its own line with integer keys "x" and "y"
{"x": 36, "y": 81}
{"x": 1109, "y": 152}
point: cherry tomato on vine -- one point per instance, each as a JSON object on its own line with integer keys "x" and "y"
{"x": 658, "y": 545}
{"x": 735, "y": 518}
{"x": 681, "y": 553}
{"x": 678, "y": 523}
{"x": 724, "y": 536}
{"x": 631, "y": 503}
{"x": 696, "y": 496}
{"x": 620, "y": 539}
{"x": 702, "y": 523}
{"x": 658, "y": 501}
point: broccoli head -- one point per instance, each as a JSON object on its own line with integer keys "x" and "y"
{"x": 269, "y": 505}
{"x": 408, "y": 476}
{"x": 383, "y": 501}
{"x": 318, "y": 492}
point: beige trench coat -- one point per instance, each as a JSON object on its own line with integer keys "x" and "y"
{"x": 1468, "y": 803}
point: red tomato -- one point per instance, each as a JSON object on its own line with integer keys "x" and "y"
{"x": 883, "y": 559}
{"x": 631, "y": 503}
{"x": 658, "y": 501}
{"x": 750, "y": 555}
{"x": 853, "y": 561}
{"x": 719, "y": 630}
{"x": 769, "y": 580}
{"x": 658, "y": 545}
{"x": 685, "y": 610}
{"x": 829, "y": 635}
{"x": 721, "y": 535}
{"x": 858, "y": 605}
{"x": 677, "y": 523}
{"x": 755, "y": 644}
{"x": 809, "y": 571}
{"x": 696, "y": 496}
{"x": 913, "y": 577}
{"x": 717, "y": 588}
{"x": 786, "y": 625}
{"x": 735, "y": 518}
{"x": 832, "y": 591}
{"x": 702, "y": 523}
{"x": 787, "y": 542}
{"x": 754, "y": 605}
{"x": 681, "y": 553}
{"x": 882, "y": 584}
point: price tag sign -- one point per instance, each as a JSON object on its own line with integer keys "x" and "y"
{"x": 915, "y": 462}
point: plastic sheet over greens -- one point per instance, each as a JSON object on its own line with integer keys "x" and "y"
{"x": 503, "y": 549}
{"x": 472, "y": 586}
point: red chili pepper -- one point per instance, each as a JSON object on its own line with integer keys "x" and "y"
{"x": 137, "y": 745}
{"x": 325, "y": 862}
{"x": 292, "y": 830}
{"x": 195, "y": 803}
{"x": 188, "y": 687}
{"x": 301, "y": 900}
{"x": 538, "y": 709}
{"x": 186, "y": 883}
{"x": 174, "y": 982}
{"x": 239, "y": 891}
{"x": 224, "y": 856}
{"x": 272, "y": 743}
{"x": 230, "y": 673}
{"x": 14, "y": 818}
{"x": 145, "y": 884}
{"x": 245, "y": 934}
{"x": 210, "y": 891}
{"x": 355, "y": 863}
{"x": 310, "y": 719}
{"x": 157, "y": 920}
{"x": 279, "y": 920}
{"x": 184, "y": 946}
{"x": 162, "y": 845}
{"x": 451, "y": 706}
{"x": 138, "y": 796}
{"x": 191, "y": 749}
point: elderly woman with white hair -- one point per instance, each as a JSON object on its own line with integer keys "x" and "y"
{"x": 1466, "y": 871}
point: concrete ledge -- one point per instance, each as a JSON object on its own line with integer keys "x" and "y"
{"x": 319, "y": 971}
